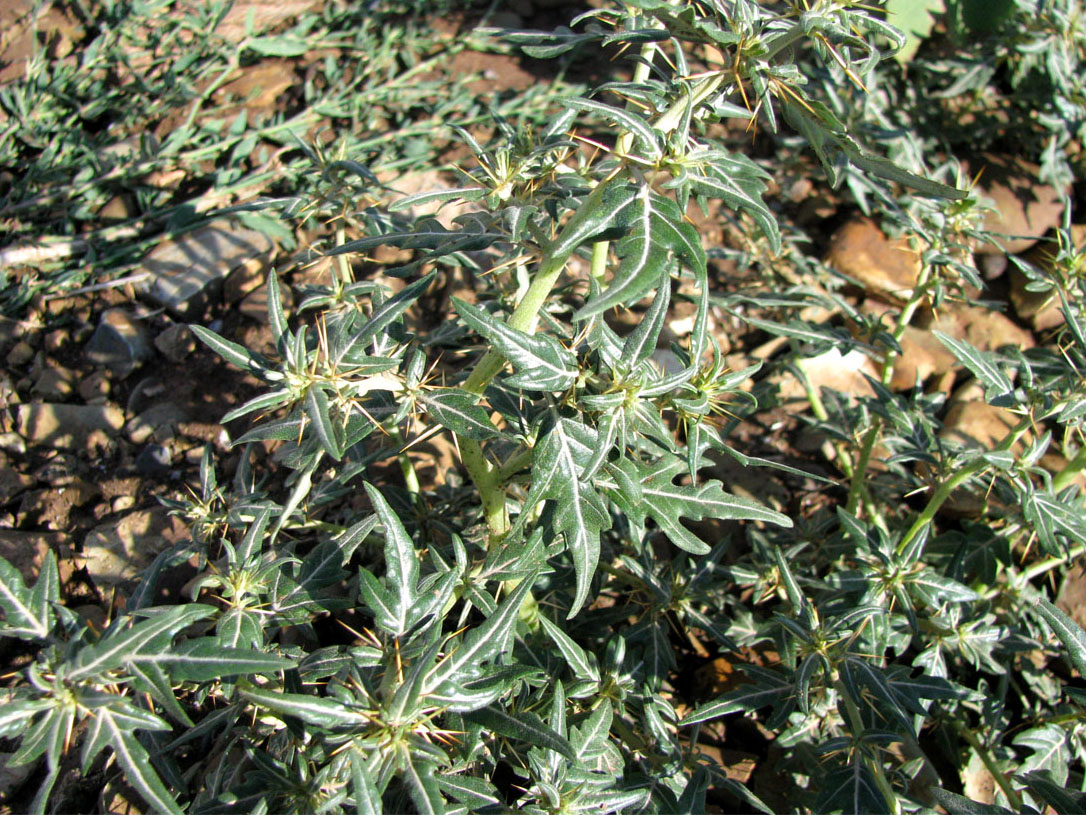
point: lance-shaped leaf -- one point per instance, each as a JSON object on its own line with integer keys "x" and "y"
{"x": 658, "y": 234}
{"x": 28, "y": 613}
{"x": 851, "y": 788}
{"x": 998, "y": 389}
{"x": 738, "y": 182}
{"x": 459, "y": 411}
{"x": 484, "y": 642}
{"x": 205, "y": 659}
{"x": 579, "y": 513}
{"x": 116, "y": 649}
{"x": 666, "y": 503}
{"x": 401, "y": 564}
{"x": 650, "y": 139}
{"x": 1049, "y": 751}
{"x": 117, "y": 725}
{"x": 314, "y": 710}
{"x": 769, "y": 688}
{"x": 1068, "y": 631}
{"x": 522, "y": 726}
{"x": 385, "y": 314}
{"x": 240, "y": 356}
{"x": 540, "y": 361}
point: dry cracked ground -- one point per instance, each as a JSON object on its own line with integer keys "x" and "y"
{"x": 107, "y": 401}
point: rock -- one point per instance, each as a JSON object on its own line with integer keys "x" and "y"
{"x": 187, "y": 274}
{"x": 176, "y": 342}
{"x": 122, "y": 502}
{"x": 52, "y": 508}
{"x": 20, "y": 354}
{"x": 972, "y": 421}
{"x": 94, "y": 388}
{"x": 154, "y": 460}
{"x": 834, "y": 370}
{"x": 882, "y": 265}
{"x": 120, "y": 342}
{"x": 59, "y": 425}
{"x": 13, "y": 443}
{"x": 1025, "y": 209}
{"x": 115, "y": 553}
{"x": 53, "y": 384}
{"x": 55, "y": 341}
{"x": 159, "y": 420}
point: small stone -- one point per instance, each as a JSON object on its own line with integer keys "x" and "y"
{"x": 188, "y": 273}
{"x": 154, "y": 460}
{"x": 883, "y": 265}
{"x": 12, "y": 482}
{"x": 115, "y": 553}
{"x": 834, "y": 370}
{"x": 60, "y": 425}
{"x": 20, "y": 354}
{"x": 94, "y": 388}
{"x": 12, "y": 443}
{"x": 176, "y": 342}
{"x": 55, "y": 341}
{"x": 160, "y": 420}
{"x": 53, "y": 384}
{"x": 122, "y": 503}
{"x": 119, "y": 342}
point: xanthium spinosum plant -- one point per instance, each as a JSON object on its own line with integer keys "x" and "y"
{"x": 516, "y": 649}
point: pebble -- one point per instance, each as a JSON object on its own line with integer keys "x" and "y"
{"x": 20, "y": 354}
{"x": 119, "y": 342}
{"x": 94, "y": 388}
{"x": 122, "y": 502}
{"x": 116, "y": 553}
{"x": 176, "y": 343}
{"x": 53, "y": 384}
{"x": 154, "y": 460}
{"x": 55, "y": 340}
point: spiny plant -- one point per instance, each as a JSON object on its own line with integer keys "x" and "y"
{"x": 511, "y": 637}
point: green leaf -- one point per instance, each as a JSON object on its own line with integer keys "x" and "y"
{"x": 429, "y": 197}
{"x": 850, "y": 789}
{"x": 28, "y": 613}
{"x": 658, "y": 233}
{"x": 385, "y": 314}
{"x": 641, "y": 342}
{"x": 401, "y": 564}
{"x": 542, "y": 363}
{"x": 998, "y": 388}
{"x": 240, "y": 356}
{"x": 582, "y": 667}
{"x": 135, "y": 761}
{"x": 474, "y": 792}
{"x": 522, "y": 726}
{"x": 626, "y": 120}
{"x": 1068, "y": 631}
{"x": 483, "y": 642}
{"x": 1049, "y": 751}
{"x": 120, "y": 644}
{"x": 769, "y": 688}
{"x": 204, "y": 659}
{"x": 580, "y": 514}
{"x": 666, "y": 502}
{"x": 314, "y": 710}
{"x": 458, "y": 411}
{"x": 318, "y": 410}
{"x": 283, "y": 45}
{"x": 422, "y": 786}
{"x": 1064, "y": 801}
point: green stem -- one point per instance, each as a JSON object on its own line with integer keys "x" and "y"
{"x": 946, "y": 489}
{"x": 1066, "y": 476}
{"x": 1012, "y": 796}
{"x": 1040, "y": 567}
